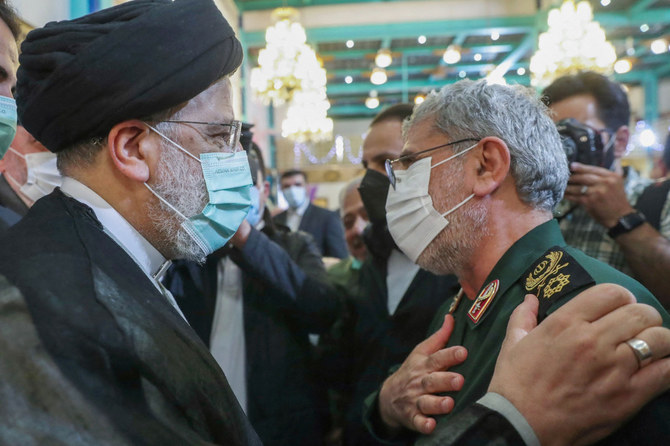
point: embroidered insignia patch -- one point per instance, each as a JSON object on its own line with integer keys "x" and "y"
{"x": 483, "y": 300}
{"x": 553, "y": 276}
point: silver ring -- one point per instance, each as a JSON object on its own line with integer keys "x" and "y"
{"x": 642, "y": 351}
{"x": 584, "y": 189}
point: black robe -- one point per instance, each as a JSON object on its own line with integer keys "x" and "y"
{"x": 114, "y": 337}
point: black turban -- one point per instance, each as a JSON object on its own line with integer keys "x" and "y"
{"x": 78, "y": 78}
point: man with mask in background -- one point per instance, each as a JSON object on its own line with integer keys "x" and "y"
{"x": 253, "y": 306}
{"x": 135, "y": 100}
{"x": 616, "y": 216}
{"x": 396, "y": 299}
{"x": 27, "y": 173}
{"x": 322, "y": 224}
{"x": 9, "y": 33}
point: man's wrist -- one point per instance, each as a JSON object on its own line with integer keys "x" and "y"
{"x": 504, "y": 407}
{"x": 626, "y": 223}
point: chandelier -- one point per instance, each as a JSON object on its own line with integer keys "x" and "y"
{"x": 286, "y": 64}
{"x": 306, "y": 117}
{"x": 572, "y": 43}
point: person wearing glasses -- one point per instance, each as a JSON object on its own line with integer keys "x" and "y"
{"x": 473, "y": 193}
{"x": 618, "y": 217}
{"x": 135, "y": 101}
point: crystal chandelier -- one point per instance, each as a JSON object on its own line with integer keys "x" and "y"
{"x": 306, "y": 117}
{"x": 572, "y": 43}
{"x": 286, "y": 64}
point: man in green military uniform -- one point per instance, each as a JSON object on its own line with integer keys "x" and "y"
{"x": 483, "y": 167}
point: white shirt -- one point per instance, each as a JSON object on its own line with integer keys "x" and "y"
{"x": 294, "y": 216}
{"x": 400, "y": 272}
{"x": 150, "y": 261}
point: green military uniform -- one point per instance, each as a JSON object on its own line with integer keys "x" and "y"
{"x": 539, "y": 263}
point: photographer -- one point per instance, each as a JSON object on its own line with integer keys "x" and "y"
{"x": 616, "y": 215}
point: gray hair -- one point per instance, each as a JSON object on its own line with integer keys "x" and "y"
{"x": 346, "y": 190}
{"x": 468, "y": 109}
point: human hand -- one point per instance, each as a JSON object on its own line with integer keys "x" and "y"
{"x": 408, "y": 397}
{"x": 241, "y": 235}
{"x": 573, "y": 377}
{"x": 600, "y": 191}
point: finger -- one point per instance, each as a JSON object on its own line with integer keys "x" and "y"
{"x": 446, "y": 358}
{"x": 650, "y": 381}
{"x": 595, "y": 302}
{"x": 523, "y": 319}
{"x": 438, "y": 382}
{"x": 423, "y": 424}
{"x": 584, "y": 179}
{"x": 434, "y": 405}
{"x": 437, "y": 340}
{"x": 579, "y": 168}
{"x": 658, "y": 339}
{"x": 626, "y": 322}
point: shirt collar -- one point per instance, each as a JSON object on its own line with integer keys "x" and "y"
{"x": 138, "y": 248}
{"x": 300, "y": 210}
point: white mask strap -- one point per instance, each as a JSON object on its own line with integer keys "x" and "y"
{"x": 16, "y": 152}
{"x": 458, "y": 205}
{"x": 166, "y": 202}
{"x": 454, "y": 156}
{"x": 175, "y": 144}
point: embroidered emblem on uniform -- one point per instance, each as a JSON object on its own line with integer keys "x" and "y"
{"x": 553, "y": 276}
{"x": 483, "y": 301}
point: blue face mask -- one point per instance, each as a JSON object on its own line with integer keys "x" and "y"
{"x": 7, "y": 123}
{"x": 254, "y": 215}
{"x": 229, "y": 185}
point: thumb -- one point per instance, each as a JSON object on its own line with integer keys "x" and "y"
{"x": 522, "y": 321}
{"x": 437, "y": 340}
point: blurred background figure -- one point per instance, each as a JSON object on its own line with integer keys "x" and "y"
{"x": 322, "y": 224}
{"x": 27, "y": 173}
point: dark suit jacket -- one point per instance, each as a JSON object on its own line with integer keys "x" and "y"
{"x": 11, "y": 206}
{"x": 285, "y": 298}
{"x": 118, "y": 343}
{"x": 325, "y": 227}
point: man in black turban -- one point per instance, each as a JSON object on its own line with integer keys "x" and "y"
{"x": 88, "y": 258}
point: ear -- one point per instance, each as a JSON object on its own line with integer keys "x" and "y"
{"x": 493, "y": 164}
{"x": 132, "y": 150}
{"x": 621, "y": 137}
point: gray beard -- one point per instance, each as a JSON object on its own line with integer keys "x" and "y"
{"x": 452, "y": 249}
{"x": 180, "y": 182}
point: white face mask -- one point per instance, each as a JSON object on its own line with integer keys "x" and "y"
{"x": 412, "y": 220}
{"x": 42, "y": 174}
{"x": 295, "y": 196}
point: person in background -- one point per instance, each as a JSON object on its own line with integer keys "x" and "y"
{"x": 344, "y": 274}
{"x": 619, "y": 218}
{"x": 253, "y": 306}
{"x": 27, "y": 173}
{"x": 9, "y": 33}
{"x": 322, "y": 224}
{"x": 463, "y": 200}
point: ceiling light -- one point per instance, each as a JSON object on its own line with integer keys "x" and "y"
{"x": 605, "y": 2}
{"x": 623, "y": 66}
{"x": 659, "y": 46}
{"x": 421, "y": 40}
{"x": 350, "y": 43}
{"x": 452, "y": 54}
{"x": 495, "y": 35}
{"x": 378, "y": 76}
{"x": 478, "y": 57}
{"x": 372, "y": 101}
{"x": 644, "y": 27}
{"x": 419, "y": 98}
{"x": 521, "y": 71}
{"x": 348, "y": 79}
{"x": 462, "y": 74}
{"x": 383, "y": 58}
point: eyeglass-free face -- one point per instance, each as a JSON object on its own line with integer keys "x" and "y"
{"x": 228, "y": 132}
{"x": 407, "y": 160}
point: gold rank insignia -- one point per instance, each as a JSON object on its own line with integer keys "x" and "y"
{"x": 554, "y": 275}
{"x": 483, "y": 301}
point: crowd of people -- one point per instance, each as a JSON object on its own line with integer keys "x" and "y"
{"x": 489, "y": 285}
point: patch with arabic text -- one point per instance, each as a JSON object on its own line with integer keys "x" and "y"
{"x": 552, "y": 276}
{"x": 483, "y": 301}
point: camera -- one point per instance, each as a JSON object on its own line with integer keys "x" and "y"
{"x": 583, "y": 144}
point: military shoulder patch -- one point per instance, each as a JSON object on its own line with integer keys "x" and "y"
{"x": 552, "y": 276}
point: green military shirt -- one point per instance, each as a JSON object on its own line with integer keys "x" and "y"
{"x": 541, "y": 263}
